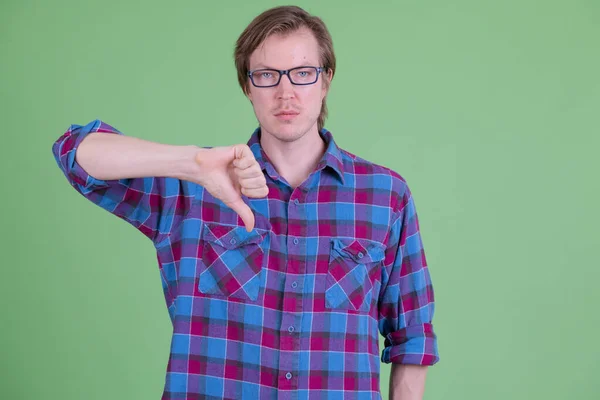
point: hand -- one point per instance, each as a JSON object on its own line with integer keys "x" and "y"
{"x": 228, "y": 172}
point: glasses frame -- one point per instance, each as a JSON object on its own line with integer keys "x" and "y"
{"x": 283, "y": 72}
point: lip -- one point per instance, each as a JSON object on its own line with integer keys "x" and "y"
{"x": 286, "y": 115}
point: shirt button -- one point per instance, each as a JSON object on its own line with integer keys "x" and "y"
{"x": 232, "y": 241}
{"x": 291, "y": 329}
{"x": 296, "y": 202}
{"x": 360, "y": 255}
{"x": 288, "y": 376}
{"x": 294, "y": 285}
{"x": 296, "y": 241}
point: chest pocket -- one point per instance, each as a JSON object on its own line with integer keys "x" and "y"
{"x": 232, "y": 261}
{"x": 352, "y": 264}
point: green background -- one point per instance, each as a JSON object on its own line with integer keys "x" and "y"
{"x": 489, "y": 109}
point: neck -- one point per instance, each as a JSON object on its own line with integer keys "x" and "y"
{"x": 294, "y": 160}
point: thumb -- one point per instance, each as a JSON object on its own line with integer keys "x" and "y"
{"x": 244, "y": 212}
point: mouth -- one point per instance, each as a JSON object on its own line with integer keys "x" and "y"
{"x": 286, "y": 115}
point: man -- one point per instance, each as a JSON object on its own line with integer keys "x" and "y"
{"x": 282, "y": 259}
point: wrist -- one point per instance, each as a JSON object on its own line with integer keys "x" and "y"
{"x": 187, "y": 168}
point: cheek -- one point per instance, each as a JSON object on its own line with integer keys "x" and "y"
{"x": 259, "y": 101}
{"x": 317, "y": 98}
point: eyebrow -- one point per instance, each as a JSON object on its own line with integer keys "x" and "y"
{"x": 262, "y": 66}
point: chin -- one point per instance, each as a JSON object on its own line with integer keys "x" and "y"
{"x": 287, "y": 132}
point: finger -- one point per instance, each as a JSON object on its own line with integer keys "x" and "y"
{"x": 256, "y": 193}
{"x": 244, "y": 157}
{"x": 251, "y": 172}
{"x": 244, "y": 212}
{"x": 244, "y": 163}
{"x": 253, "y": 183}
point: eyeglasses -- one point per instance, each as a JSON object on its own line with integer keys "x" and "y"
{"x": 271, "y": 77}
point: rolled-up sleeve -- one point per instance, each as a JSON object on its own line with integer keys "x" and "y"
{"x": 406, "y": 301}
{"x": 154, "y": 205}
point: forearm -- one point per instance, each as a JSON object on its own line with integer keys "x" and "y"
{"x": 108, "y": 157}
{"x": 407, "y": 382}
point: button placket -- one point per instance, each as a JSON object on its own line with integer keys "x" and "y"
{"x": 290, "y": 324}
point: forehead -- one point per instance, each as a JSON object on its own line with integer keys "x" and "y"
{"x": 287, "y": 51}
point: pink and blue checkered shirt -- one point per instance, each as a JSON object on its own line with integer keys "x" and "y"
{"x": 293, "y": 309}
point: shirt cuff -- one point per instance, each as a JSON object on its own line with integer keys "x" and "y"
{"x": 77, "y": 174}
{"x": 415, "y": 344}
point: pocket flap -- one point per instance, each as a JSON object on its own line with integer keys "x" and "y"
{"x": 231, "y": 236}
{"x": 362, "y": 251}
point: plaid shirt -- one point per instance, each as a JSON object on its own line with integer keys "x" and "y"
{"x": 293, "y": 309}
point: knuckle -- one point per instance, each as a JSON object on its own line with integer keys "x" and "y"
{"x": 246, "y": 150}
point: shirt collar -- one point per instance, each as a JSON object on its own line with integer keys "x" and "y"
{"x": 331, "y": 158}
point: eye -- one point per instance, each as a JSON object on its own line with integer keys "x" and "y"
{"x": 266, "y": 75}
{"x": 305, "y": 74}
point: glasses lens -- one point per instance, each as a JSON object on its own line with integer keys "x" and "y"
{"x": 265, "y": 77}
{"x": 304, "y": 75}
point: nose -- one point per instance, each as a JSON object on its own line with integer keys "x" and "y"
{"x": 285, "y": 89}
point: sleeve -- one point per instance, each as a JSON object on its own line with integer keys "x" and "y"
{"x": 406, "y": 301}
{"x": 154, "y": 205}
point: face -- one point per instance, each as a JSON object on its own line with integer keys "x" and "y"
{"x": 296, "y": 49}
